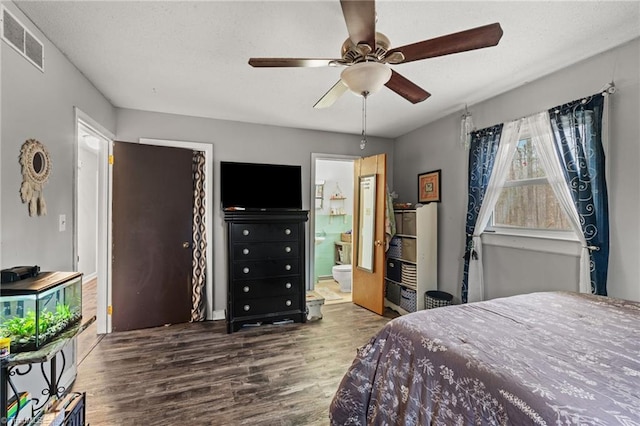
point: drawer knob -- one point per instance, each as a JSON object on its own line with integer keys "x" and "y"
{"x": 287, "y": 249}
{"x": 245, "y": 251}
{"x": 245, "y": 289}
{"x": 246, "y": 307}
{"x": 245, "y": 232}
{"x": 245, "y": 270}
{"x": 287, "y": 285}
{"x": 287, "y": 267}
{"x": 288, "y": 303}
{"x": 287, "y": 231}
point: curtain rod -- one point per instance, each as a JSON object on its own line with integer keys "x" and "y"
{"x": 607, "y": 89}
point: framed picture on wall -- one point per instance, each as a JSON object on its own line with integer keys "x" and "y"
{"x": 429, "y": 187}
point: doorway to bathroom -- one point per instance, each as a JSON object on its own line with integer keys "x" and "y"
{"x": 331, "y": 224}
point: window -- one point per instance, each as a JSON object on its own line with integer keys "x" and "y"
{"x": 527, "y": 200}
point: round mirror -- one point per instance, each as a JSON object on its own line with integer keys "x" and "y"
{"x": 38, "y": 162}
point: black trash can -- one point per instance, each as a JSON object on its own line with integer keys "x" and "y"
{"x": 437, "y": 299}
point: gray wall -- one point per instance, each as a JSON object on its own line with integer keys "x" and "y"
{"x": 436, "y": 146}
{"x": 235, "y": 141}
{"x": 41, "y": 106}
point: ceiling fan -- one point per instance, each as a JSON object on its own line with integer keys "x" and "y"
{"x": 366, "y": 54}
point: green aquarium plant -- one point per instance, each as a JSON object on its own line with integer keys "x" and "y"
{"x": 63, "y": 313}
{"x": 21, "y": 327}
{"x": 22, "y": 330}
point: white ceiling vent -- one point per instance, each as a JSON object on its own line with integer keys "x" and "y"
{"x": 21, "y": 39}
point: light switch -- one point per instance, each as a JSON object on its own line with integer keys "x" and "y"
{"x": 63, "y": 223}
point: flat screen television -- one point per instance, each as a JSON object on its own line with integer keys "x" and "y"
{"x": 256, "y": 186}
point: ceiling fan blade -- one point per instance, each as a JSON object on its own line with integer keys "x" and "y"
{"x": 360, "y": 17}
{"x": 293, "y": 62}
{"x": 332, "y": 95}
{"x": 475, "y": 38}
{"x": 405, "y": 88}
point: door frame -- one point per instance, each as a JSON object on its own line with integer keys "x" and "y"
{"x": 311, "y": 244}
{"x": 105, "y": 178}
{"x": 207, "y": 148}
{"x": 103, "y": 275}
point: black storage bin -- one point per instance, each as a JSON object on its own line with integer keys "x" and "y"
{"x": 437, "y": 299}
{"x": 394, "y": 270}
{"x": 392, "y": 292}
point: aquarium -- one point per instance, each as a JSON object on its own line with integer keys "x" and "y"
{"x": 36, "y": 310}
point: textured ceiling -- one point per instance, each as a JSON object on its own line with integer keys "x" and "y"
{"x": 191, "y": 57}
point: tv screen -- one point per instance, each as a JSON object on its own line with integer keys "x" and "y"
{"x": 254, "y": 186}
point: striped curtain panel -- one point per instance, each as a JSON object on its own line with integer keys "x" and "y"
{"x": 199, "y": 262}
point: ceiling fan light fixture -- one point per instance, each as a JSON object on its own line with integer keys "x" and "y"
{"x": 366, "y": 77}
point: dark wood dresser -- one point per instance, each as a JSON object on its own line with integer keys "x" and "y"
{"x": 266, "y": 267}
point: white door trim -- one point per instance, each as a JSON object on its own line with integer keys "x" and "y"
{"x": 103, "y": 291}
{"x": 311, "y": 244}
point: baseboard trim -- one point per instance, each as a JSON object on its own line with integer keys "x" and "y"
{"x": 89, "y": 277}
{"x": 219, "y": 315}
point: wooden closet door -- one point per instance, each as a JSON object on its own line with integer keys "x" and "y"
{"x": 152, "y": 236}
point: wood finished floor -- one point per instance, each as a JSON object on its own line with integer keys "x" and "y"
{"x": 197, "y": 374}
{"x": 88, "y": 338}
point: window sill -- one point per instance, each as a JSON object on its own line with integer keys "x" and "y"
{"x": 546, "y": 243}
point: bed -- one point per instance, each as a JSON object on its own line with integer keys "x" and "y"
{"x": 548, "y": 358}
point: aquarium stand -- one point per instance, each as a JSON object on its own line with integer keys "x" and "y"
{"x": 22, "y": 363}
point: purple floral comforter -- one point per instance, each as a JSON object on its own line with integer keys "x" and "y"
{"x": 551, "y": 358}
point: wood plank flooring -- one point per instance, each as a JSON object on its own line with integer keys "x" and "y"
{"x": 197, "y": 374}
{"x": 88, "y": 338}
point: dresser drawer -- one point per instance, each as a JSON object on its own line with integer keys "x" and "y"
{"x": 273, "y": 250}
{"x": 264, "y": 232}
{"x": 249, "y": 269}
{"x": 251, "y": 307}
{"x": 251, "y": 289}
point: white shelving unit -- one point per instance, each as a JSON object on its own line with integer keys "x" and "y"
{"x": 412, "y": 259}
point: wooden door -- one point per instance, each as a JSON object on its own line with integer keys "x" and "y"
{"x": 368, "y": 286}
{"x": 152, "y": 236}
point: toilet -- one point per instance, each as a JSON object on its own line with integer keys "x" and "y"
{"x": 342, "y": 274}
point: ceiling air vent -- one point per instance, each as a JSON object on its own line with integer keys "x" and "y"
{"x": 18, "y": 37}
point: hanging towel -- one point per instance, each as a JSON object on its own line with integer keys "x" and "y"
{"x": 389, "y": 219}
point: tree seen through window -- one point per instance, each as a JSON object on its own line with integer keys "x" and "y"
{"x": 527, "y": 200}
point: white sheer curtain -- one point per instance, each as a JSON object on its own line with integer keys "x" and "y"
{"x": 506, "y": 148}
{"x": 543, "y": 141}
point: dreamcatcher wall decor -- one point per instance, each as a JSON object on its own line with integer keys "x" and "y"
{"x": 36, "y": 166}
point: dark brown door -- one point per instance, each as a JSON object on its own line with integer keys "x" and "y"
{"x": 152, "y": 217}
{"x": 368, "y": 284}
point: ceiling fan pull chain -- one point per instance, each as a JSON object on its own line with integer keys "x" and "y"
{"x": 363, "y": 142}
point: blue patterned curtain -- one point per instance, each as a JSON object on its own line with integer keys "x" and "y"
{"x": 482, "y": 154}
{"x": 577, "y": 131}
